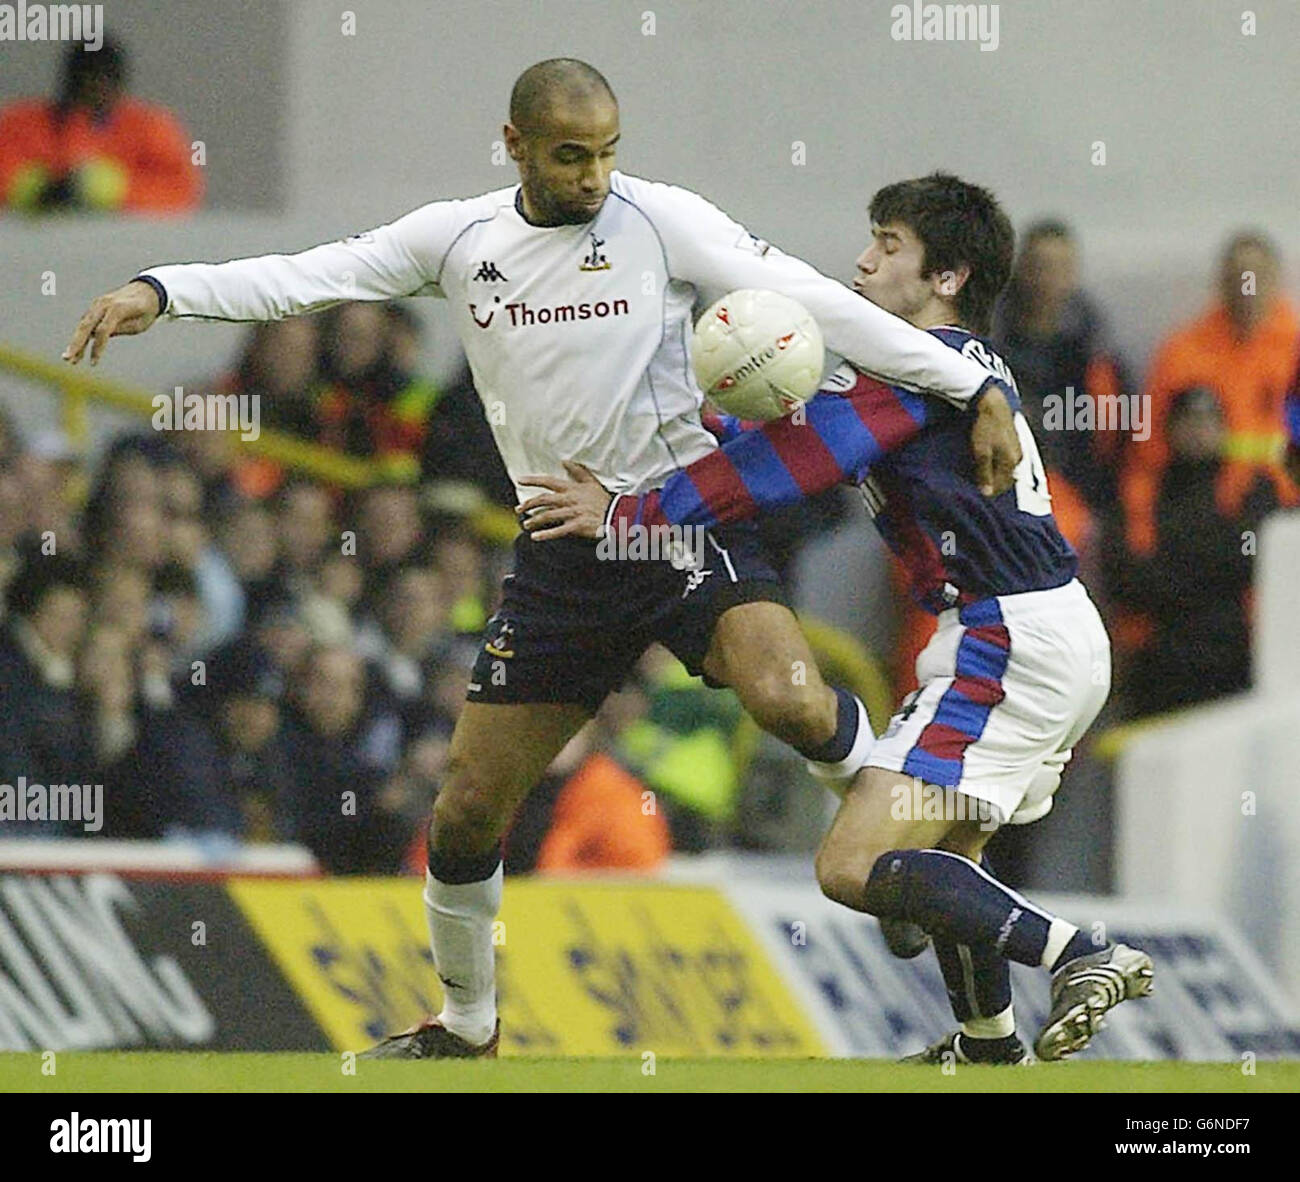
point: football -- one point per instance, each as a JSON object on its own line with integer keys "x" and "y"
{"x": 757, "y": 354}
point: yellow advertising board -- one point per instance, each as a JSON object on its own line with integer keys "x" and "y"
{"x": 583, "y": 968}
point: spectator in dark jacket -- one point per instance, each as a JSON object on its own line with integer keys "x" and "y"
{"x": 1192, "y": 587}
{"x": 343, "y": 757}
{"x": 41, "y": 736}
{"x": 1054, "y": 338}
{"x": 217, "y": 766}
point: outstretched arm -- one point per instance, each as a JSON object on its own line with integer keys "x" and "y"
{"x": 716, "y": 254}
{"x": 837, "y": 438}
{"x": 400, "y": 259}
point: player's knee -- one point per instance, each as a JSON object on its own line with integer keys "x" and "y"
{"x": 842, "y": 876}
{"x": 465, "y": 814}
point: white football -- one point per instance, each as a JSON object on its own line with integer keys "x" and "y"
{"x": 757, "y": 354}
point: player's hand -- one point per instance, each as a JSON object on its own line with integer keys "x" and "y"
{"x": 994, "y": 442}
{"x": 121, "y": 313}
{"x": 573, "y": 508}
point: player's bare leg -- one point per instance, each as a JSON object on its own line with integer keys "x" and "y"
{"x": 759, "y": 650}
{"x": 874, "y": 819}
{"x": 498, "y": 752}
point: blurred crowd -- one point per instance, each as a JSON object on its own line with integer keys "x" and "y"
{"x": 1164, "y": 507}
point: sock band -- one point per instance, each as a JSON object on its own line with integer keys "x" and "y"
{"x": 846, "y": 730}
{"x": 457, "y": 869}
{"x": 1001, "y": 1025}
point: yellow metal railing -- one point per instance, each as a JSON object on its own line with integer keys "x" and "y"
{"x": 79, "y": 389}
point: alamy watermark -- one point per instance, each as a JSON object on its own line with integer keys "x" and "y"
{"x": 179, "y": 411}
{"x": 91, "y": 1134}
{"x": 682, "y": 546}
{"x": 82, "y": 803}
{"x": 918, "y": 801}
{"x": 945, "y": 22}
{"x": 1101, "y": 412}
{"x": 53, "y": 22}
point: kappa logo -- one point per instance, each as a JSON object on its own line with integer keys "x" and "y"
{"x": 596, "y": 260}
{"x": 488, "y": 273}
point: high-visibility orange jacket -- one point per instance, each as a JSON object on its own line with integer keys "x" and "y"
{"x": 601, "y": 822}
{"x": 145, "y": 140}
{"x": 1251, "y": 377}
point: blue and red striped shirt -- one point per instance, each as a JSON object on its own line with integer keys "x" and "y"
{"x": 911, "y": 456}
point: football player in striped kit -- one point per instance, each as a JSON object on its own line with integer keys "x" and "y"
{"x": 1017, "y": 669}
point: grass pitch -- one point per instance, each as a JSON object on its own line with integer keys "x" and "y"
{"x": 147, "y": 1071}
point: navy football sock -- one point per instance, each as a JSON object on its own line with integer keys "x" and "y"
{"x": 459, "y": 869}
{"x": 958, "y": 903}
{"x": 978, "y": 979}
{"x": 979, "y": 990}
{"x": 839, "y": 745}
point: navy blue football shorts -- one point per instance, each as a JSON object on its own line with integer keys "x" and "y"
{"x": 572, "y": 625}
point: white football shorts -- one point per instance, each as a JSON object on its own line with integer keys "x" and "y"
{"x": 1007, "y": 687}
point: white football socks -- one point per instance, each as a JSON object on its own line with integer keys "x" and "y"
{"x": 460, "y": 932}
{"x": 1001, "y": 1025}
{"x": 1059, "y": 934}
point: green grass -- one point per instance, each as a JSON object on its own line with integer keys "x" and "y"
{"x": 147, "y": 1071}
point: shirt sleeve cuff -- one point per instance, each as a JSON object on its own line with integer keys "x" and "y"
{"x": 158, "y": 289}
{"x": 990, "y": 383}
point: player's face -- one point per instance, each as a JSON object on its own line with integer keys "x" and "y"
{"x": 889, "y": 271}
{"x": 564, "y": 165}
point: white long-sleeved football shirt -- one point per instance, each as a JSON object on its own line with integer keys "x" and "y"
{"x": 577, "y": 336}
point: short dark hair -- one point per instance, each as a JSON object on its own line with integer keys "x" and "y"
{"x": 1251, "y": 239}
{"x": 536, "y": 86}
{"x": 81, "y": 62}
{"x": 958, "y": 223}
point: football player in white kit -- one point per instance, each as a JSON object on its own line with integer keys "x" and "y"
{"x": 572, "y": 294}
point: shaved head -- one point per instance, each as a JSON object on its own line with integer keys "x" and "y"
{"x": 562, "y": 134}
{"x": 556, "y": 82}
